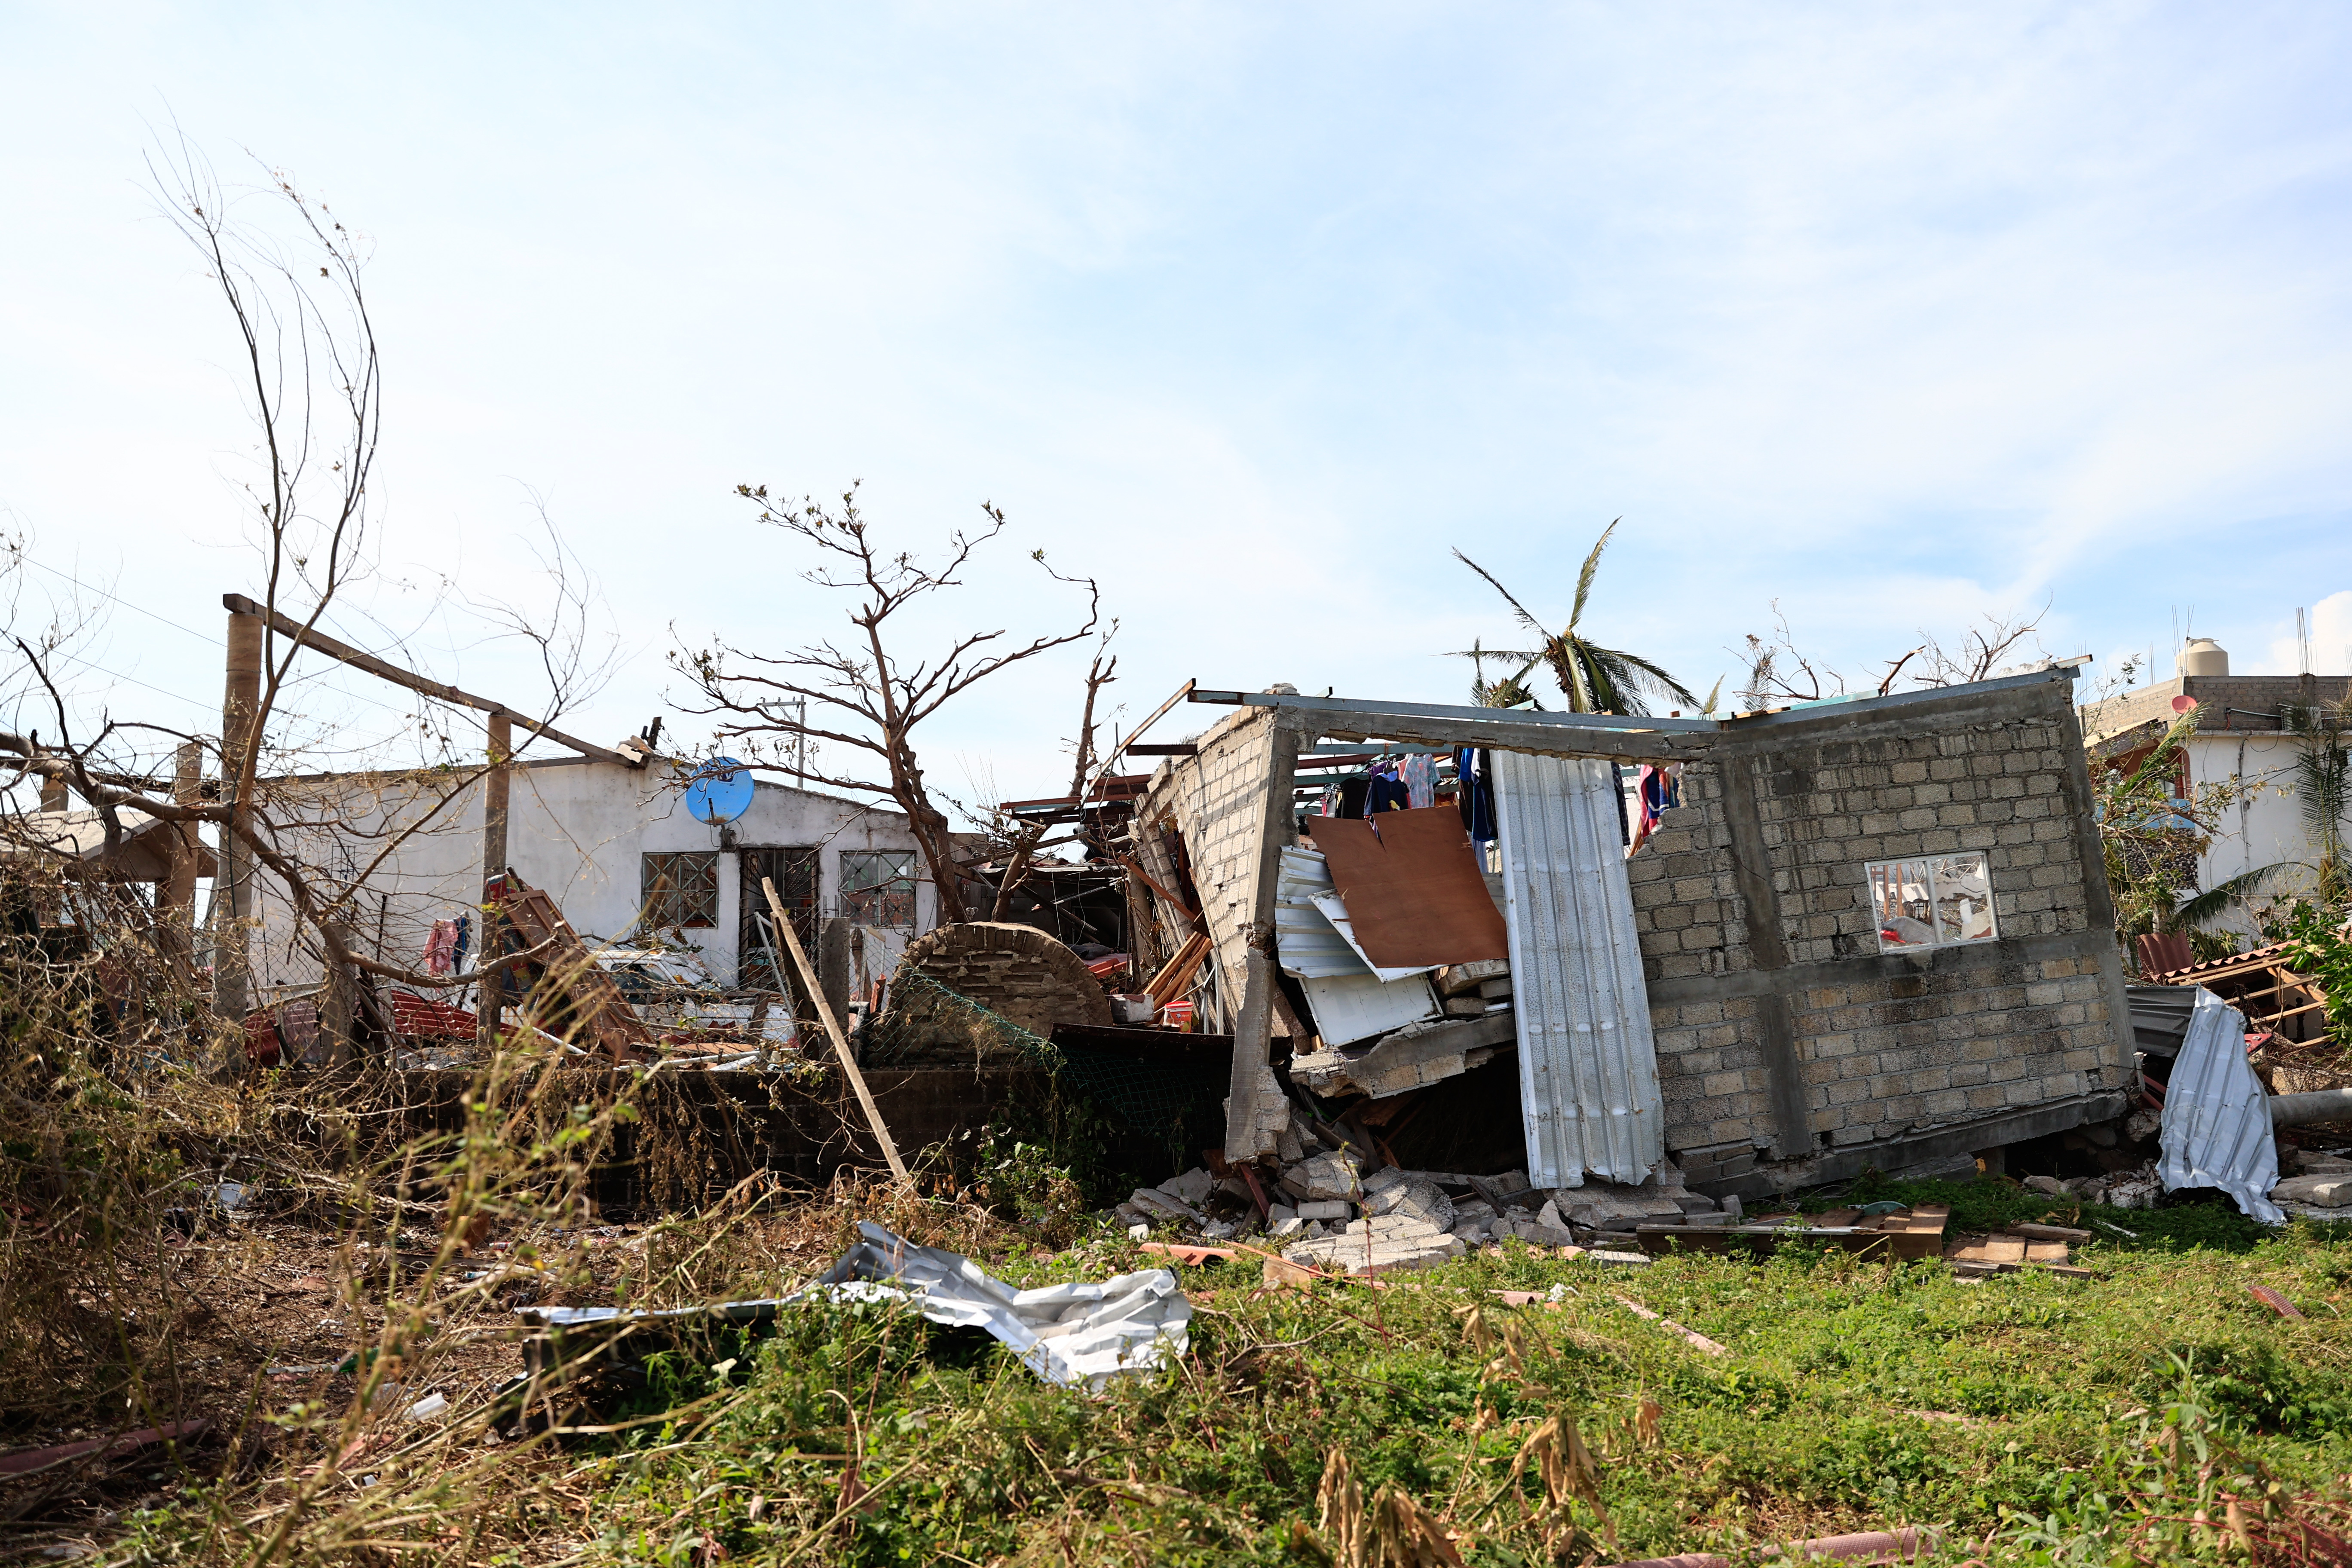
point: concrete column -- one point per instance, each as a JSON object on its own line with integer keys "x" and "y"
{"x": 176, "y": 901}
{"x": 1767, "y": 952}
{"x": 832, "y": 964}
{"x": 240, "y": 705}
{"x": 495, "y": 784}
{"x": 1256, "y": 1108}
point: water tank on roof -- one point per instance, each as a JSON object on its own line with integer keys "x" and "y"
{"x": 2203, "y": 656}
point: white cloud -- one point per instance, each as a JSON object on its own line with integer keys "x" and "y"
{"x": 2330, "y": 624}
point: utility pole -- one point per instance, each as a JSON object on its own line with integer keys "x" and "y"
{"x": 232, "y": 969}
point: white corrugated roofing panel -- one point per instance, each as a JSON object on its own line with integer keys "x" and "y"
{"x": 1351, "y": 1007}
{"x": 1588, "y": 1065}
{"x": 2216, "y": 1130}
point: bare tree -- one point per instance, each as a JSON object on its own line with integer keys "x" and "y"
{"x": 310, "y": 374}
{"x": 1016, "y": 842}
{"x": 1779, "y": 672}
{"x": 860, "y": 696}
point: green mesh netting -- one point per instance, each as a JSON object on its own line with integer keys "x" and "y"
{"x": 1171, "y": 1104}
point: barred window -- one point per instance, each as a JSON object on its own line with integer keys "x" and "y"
{"x": 681, "y": 887}
{"x": 877, "y": 886}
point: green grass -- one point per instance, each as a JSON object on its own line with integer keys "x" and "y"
{"x": 1857, "y": 1394}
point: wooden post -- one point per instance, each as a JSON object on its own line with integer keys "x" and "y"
{"x": 232, "y": 963}
{"x": 840, "y": 1042}
{"x": 339, "y": 1006}
{"x": 176, "y": 901}
{"x": 494, "y": 864}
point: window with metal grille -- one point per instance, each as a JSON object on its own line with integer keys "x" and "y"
{"x": 681, "y": 887}
{"x": 877, "y": 886}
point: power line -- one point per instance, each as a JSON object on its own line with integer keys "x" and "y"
{"x": 126, "y": 604}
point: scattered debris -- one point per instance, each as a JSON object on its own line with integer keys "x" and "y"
{"x": 31, "y": 1461}
{"x": 1691, "y": 1336}
{"x": 1916, "y": 1232}
{"x": 2274, "y": 1300}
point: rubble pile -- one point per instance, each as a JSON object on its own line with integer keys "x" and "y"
{"x": 1337, "y": 1207}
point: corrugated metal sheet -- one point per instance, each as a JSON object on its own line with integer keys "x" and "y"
{"x": 2159, "y": 1016}
{"x": 1304, "y": 940}
{"x": 1349, "y": 998}
{"x": 1351, "y": 1007}
{"x": 2258, "y": 958}
{"x": 2217, "y": 1117}
{"x": 1312, "y": 933}
{"x": 1587, "y": 1066}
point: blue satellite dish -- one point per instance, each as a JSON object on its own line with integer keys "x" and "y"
{"x": 719, "y": 791}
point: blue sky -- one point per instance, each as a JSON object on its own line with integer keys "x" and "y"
{"x": 1890, "y": 315}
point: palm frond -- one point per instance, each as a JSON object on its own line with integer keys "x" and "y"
{"x": 2212, "y": 903}
{"x": 1631, "y": 678}
{"x": 1584, "y": 578}
{"x": 1524, "y": 614}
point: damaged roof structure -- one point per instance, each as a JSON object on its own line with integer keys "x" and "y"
{"x": 1873, "y": 932}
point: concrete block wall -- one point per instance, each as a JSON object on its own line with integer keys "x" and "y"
{"x": 1778, "y": 1022}
{"x": 1016, "y": 972}
{"x": 1218, "y": 800}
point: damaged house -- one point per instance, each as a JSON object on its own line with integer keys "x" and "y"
{"x": 1867, "y": 933}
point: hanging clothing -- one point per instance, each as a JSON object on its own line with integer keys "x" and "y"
{"x": 1329, "y": 805}
{"x": 1659, "y": 789}
{"x": 1475, "y": 792}
{"x": 464, "y": 940}
{"x": 1419, "y": 775}
{"x": 1385, "y": 793}
{"x": 1351, "y": 796}
{"x": 441, "y": 947}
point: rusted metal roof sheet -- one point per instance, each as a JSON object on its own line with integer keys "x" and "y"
{"x": 2258, "y": 958}
{"x": 1587, "y": 1066}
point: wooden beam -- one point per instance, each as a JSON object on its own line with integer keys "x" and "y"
{"x": 1504, "y": 734}
{"x": 840, "y": 1042}
{"x": 312, "y": 637}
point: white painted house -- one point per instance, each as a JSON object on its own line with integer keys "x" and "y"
{"x": 2240, "y": 740}
{"x": 615, "y": 847}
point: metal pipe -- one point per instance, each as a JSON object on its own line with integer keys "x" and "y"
{"x": 2303, "y": 1110}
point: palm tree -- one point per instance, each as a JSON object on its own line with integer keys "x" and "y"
{"x": 1593, "y": 679}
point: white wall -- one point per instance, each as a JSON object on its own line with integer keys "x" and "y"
{"x": 2264, "y": 827}
{"x": 575, "y": 828}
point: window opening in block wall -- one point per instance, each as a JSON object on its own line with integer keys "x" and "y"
{"x": 877, "y": 886}
{"x": 1933, "y": 900}
{"x": 680, "y": 888}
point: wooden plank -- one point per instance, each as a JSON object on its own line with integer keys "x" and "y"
{"x": 568, "y": 967}
{"x": 833, "y": 1027}
{"x": 1177, "y": 973}
{"x": 2051, "y": 1233}
{"x": 1664, "y": 1239}
{"x": 342, "y": 652}
{"x": 2045, "y": 1252}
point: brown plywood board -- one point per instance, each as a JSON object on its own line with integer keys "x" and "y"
{"x": 1413, "y": 887}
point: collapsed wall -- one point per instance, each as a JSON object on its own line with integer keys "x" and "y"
{"x": 1792, "y": 1043}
